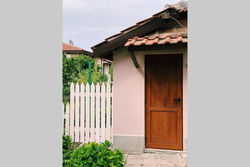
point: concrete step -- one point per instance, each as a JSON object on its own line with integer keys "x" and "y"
{"x": 163, "y": 151}
{"x": 155, "y": 160}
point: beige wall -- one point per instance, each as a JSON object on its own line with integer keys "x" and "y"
{"x": 129, "y": 91}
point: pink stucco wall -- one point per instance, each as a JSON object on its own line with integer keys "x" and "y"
{"x": 128, "y": 95}
{"x": 129, "y": 91}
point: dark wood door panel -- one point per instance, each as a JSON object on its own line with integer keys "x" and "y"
{"x": 163, "y": 85}
{"x": 164, "y": 101}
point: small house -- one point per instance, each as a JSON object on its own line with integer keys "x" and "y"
{"x": 150, "y": 82}
{"x": 71, "y": 51}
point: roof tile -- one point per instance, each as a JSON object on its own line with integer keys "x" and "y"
{"x": 159, "y": 38}
{"x": 70, "y": 47}
{"x": 67, "y": 48}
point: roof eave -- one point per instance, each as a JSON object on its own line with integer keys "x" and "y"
{"x": 106, "y": 47}
{"x": 77, "y": 52}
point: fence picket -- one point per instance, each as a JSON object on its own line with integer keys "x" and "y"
{"x": 63, "y": 116}
{"x": 77, "y": 113}
{"x": 92, "y": 113}
{"x": 87, "y": 112}
{"x": 98, "y": 113}
{"x": 112, "y": 113}
{"x": 108, "y": 112}
{"x": 82, "y": 106}
{"x": 103, "y": 112}
{"x": 72, "y": 117}
{"x": 67, "y": 120}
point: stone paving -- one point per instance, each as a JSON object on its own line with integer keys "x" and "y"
{"x": 157, "y": 159}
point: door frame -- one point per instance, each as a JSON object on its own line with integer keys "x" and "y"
{"x": 182, "y": 96}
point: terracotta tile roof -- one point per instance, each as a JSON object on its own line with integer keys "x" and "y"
{"x": 67, "y": 48}
{"x": 70, "y": 47}
{"x": 159, "y": 38}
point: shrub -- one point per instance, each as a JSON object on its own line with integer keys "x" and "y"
{"x": 96, "y": 155}
{"x": 67, "y": 149}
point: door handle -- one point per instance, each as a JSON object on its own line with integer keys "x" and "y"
{"x": 177, "y": 100}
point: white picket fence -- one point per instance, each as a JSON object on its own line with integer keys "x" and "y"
{"x": 88, "y": 115}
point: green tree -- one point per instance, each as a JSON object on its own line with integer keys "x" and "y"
{"x": 75, "y": 69}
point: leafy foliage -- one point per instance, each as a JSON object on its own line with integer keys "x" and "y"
{"x": 67, "y": 149}
{"x": 111, "y": 73}
{"x": 75, "y": 69}
{"x": 96, "y": 155}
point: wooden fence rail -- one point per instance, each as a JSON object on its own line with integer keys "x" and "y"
{"x": 88, "y": 115}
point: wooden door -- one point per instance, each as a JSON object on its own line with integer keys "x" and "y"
{"x": 164, "y": 101}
